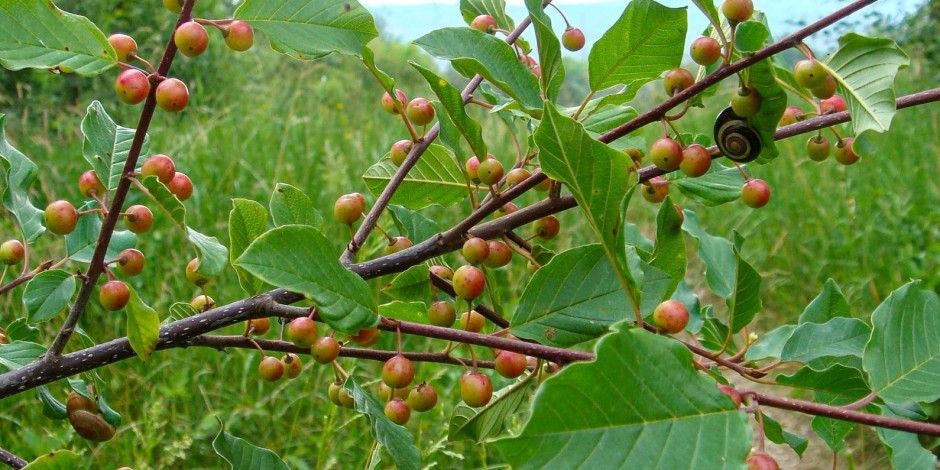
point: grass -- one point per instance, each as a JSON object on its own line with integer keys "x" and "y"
{"x": 871, "y": 227}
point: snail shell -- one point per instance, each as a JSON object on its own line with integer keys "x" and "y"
{"x": 86, "y": 420}
{"x": 736, "y": 139}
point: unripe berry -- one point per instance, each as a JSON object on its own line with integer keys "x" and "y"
{"x": 172, "y": 95}
{"x": 389, "y": 104}
{"x": 302, "y": 331}
{"x": 181, "y": 186}
{"x": 194, "y": 277}
{"x": 705, "y": 50}
{"x": 746, "y": 102}
{"x": 422, "y": 398}
{"x": 655, "y": 190}
{"x": 132, "y": 86}
{"x": 484, "y": 23}
{"x": 516, "y": 176}
{"x": 636, "y": 155}
{"x": 259, "y": 326}
{"x": 790, "y": 116}
{"x": 420, "y": 112}
{"x": 124, "y": 45}
{"x": 89, "y": 184}
{"x": 271, "y": 369}
{"x": 572, "y": 39}
{"x": 202, "y": 302}
{"x": 761, "y": 461}
{"x": 398, "y": 372}
{"x": 333, "y": 393}
{"x": 544, "y": 185}
{"x": 755, "y": 193}
{"x": 677, "y": 80}
{"x": 695, "y": 160}
{"x": 114, "y": 295}
{"x": 325, "y": 350}
{"x": 400, "y": 151}
{"x": 366, "y": 337}
{"x": 346, "y": 399}
{"x": 159, "y": 165}
{"x": 475, "y": 389}
{"x": 547, "y": 227}
{"x": 834, "y": 104}
{"x": 737, "y": 11}
{"x": 732, "y": 393}
{"x": 510, "y": 364}
{"x": 844, "y": 153}
{"x": 442, "y": 272}
{"x": 809, "y": 73}
{"x": 239, "y": 36}
{"x": 442, "y": 313}
{"x": 387, "y": 393}
{"x": 500, "y": 254}
{"x": 174, "y": 6}
{"x": 191, "y": 39}
{"x": 826, "y": 90}
{"x": 130, "y": 262}
{"x": 397, "y": 244}
{"x": 475, "y": 250}
{"x": 473, "y": 166}
{"x": 490, "y": 171}
{"x": 397, "y": 411}
{"x": 348, "y": 209}
{"x": 508, "y": 208}
{"x": 472, "y": 321}
{"x": 817, "y": 147}
{"x": 60, "y": 217}
{"x": 666, "y": 154}
{"x": 12, "y": 252}
{"x": 671, "y": 316}
{"x": 469, "y": 282}
{"x": 138, "y": 219}
{"x": 292, "y": 365}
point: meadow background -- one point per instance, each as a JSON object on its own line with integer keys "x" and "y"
{"x": 258, "y": 118}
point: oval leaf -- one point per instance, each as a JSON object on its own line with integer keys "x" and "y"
{"x": 143, "y": 326}
{"x": 243, "y": 455}
{"x": 479, "y": 425}
{"x": 19, "y": 174}
{"x": 396, "y": 439}
{"x": 47, "y": 294}
{"x": 247, "y": 221}
{"x": 435, "y": 179}
{"x": 290, "y": 206}
{"x": 107, "y": 144}
{"x": 58, "y": 460}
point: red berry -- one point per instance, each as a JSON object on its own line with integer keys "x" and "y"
{"x": 132, "y": 86}
{"x": 732, "y": 393}
{"x": 174, "y": 6}
{"x": 746, "y": 102}
{"x": 389, "y": 104}
{"x": 844, "y": 153}
{"x": 302, "y": 331}
{"x": 695, "y": 160}
{"x": 60, "y": 217}
{"x": 572, "y": 39}
{"x": 737, "y": 11}
{"x": 161, "y": 166}
{"x": 114, "y": 295}
{"x": 475, "y": 250}
{"x": 239, "y": 36}
{"x": 292, "y": 365}
{"x": 655, "y": 190}
{"x": 172, "y": 95}
{"x": 387, "y": 393}
{"x": 817, "y": 147}
{"x": 810, "y": 73}
{"x": 400, "y": 151}
{"x": 130, "y": 262}
{"x": 666, "y": 154}
{"x": 271, "y": 369}
{"x": 325, "y": 350}
{"x": 500, "y": 254}
{"x": 348, "y": 209}
{"x": 89, "y": 184}
{"x": 475, "y": 389}
{"x": 547, "y": 227}
{"x": 397, "y": 411}
{"x": 420, "y": 112}
{"x": 484, "y": 23}
{"x": 472, "y": 321}
{"x": 473, "y": 166}
{"x": 124, "y": 45}
{"x": 677, "y": 80}
{"x": 259, "y": 326}
{"x": 442, "y": 313}
{"x": 422, "y": 398}
{"x": 705, "y": 50}
{"x": 510, "y": 364}
{"x": 138, "y": 219}
{"x": 398, "y": 372}
{"x": 366, "y": 337}
{"x": 790, "y": 116}
{"x": 834, "y": 104}
{"x": 191, "y": 38}
{"x": 442, "y": 272}
{"x": 490, "y": 171}
{"x": 671, "y": 316}
{"x": 469, "y": 282}
{"x": 761, "y": 461}
{"x": 12, "y": 252}
{"x": 181, "y": 186}
{"x": 755, "y": 193}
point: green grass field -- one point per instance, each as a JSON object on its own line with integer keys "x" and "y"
{"x": 318, "y": 126}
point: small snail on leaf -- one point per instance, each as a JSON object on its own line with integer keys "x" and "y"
{"x": 735, "y": 137}
{"x": 87, "y": 420}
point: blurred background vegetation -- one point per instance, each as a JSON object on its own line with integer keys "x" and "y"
{"x": 258, "y": 118}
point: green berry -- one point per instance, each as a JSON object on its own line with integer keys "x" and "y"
{"x": 271, "y": 369}
{"x": 397, "y": 244}
{"x": 325, "y": 350}
{"x": 755, "y": 193}
{"x": 671, "y": 316}
{"x": 746, "y": 102}
{"x": 677, "y": 80}
{"x": 826, "y": 90}
{"x": 348, "y": 209}
{"x": 500, "y": 254}
{"x": 258, "y": 326}
{"x": 442, "y": 313}
{"x": 475, "y": 250}
{"x": 302, "y": 331}
{"x": 114, "y": 295}
{"x": 817, "y": 147}
{"x": 705, "y": 50}
{"x": 737, "y": 11}
{"x": 60, "y": 217}
{"x": 194, "y": 277}
{"x": 400, "y": 151}
{"x": 810, "y": 73}
{"x": 203, "y": 302}
{"x": 292, "y": 365}
{"x": 172, "y": 95}
{"x": 191, "y": 39}
{"x": 472, "y": 321}
{"x": 132, "y": 86}
{"x": 239, "y": 36}
{"x": 12, "y": 252}
{"x": 475, "y": 389}
{"x": 387, "y": 393}
{"x": 516, "y": 176}
{"x": 490, "y": 171}
{"x": 666, "y": 154}
{"x": 422, "y": 398}
{"x": 174, "y": 6}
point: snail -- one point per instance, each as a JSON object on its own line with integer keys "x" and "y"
{"x": 735, "y": 137}
{"x": 87, "y": 421}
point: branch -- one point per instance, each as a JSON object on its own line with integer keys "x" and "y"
{"x": 11, "y": 459}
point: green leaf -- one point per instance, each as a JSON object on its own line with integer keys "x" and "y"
{"x": 19, "y": 330}
{"x": 51, "y": 407}
{"x": 243, "y": 455}
{"x": 902, "y": 357}
{"x": 179, "y": 311}
{"x": 165, "y": 200}
{"x": 19, "y": 174}
{"x": 19, "y": 353}
{"x": 213, "y": 256}
{"x": 829, "y": 304}
{"x": 80, "y": 244}
{"x": 714, "y": 188}
{"x": 112, "y": 417}
{"x": 864, "y": 69}
{"x": 454, "y": 109}
{"x": 107, "y": 144}
{"x": 647, "y": 39}
{"x": 622, "y": 419}
{"x": 836, "y": 384}
{"x": 905, "y": 449}
{"x": 773, "y": 102}
{"x": 437, "y": 178}
{"x": 416, "y": 226}
{"x": 474, "y": 52}
{"x": 58, "y": 460}
{"x": 36, "y": 34}
{"x": 290, "y": 206}
{"x": 669, "y": 254}
{"x": 47, "y": 294}
{"x": 396, "y": 439}
{"x": 776, "y": 434}
{"x": 480, "y": 425}
{"x": 416, "y": 312}
{"x": 771, "y": 344}
{"x": 837, "y": 337}
{"x": 343, "y": 299}
{"x": 572, "y": 299}
{"x": 143, "y": 326}
{"x": 607, "y": 117}
{"x": 745, "y": 301}
{"x": 832, "y": 431}
{"x": 309, "y": 31}
{"x": 718, "y": 255}
{"x": 247, "y": 221}
{"x": 412, "y": 284}
{"x": 549, "y": 47}
{"x": 387, "y": 82}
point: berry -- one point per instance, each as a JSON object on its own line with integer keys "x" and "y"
{"x": 500, "y": 254}
{"x": 469, "y": 282}
{"x": 732, "y": 393}
{"x": 636, "y": 155}
{"x": 510, "y": 364}
{"x": 12, "y": 252}
{"x": 348, "y": 209}
{"x": 366, "y": 337}
{"x": 484, "y": 23}
{"x": 826, "y": 90}
{"x": 472, "y": 166}
{"x": 389, "y": 104}
{"x": 472, "y": 321}
{"x": 442, "y": 272}
{"x": 490, "y": 171}
{"x": 817, "y": 147}
{"x": 544, "y": 185}
{"x": 475, "y": 389}
{"x": 202, "y": 302}
{"x": 695, "y": 160}
{"x": 333, "y": 393}
{"x": 516, "y": 176}
{"x": 790, "y": 116}
{"x": 705, "y": 50}
{"x": 420, "y": 112}
{"x": 89, "y": 184}
{"x": 181, "y": 186}
{"x": 174, "y": 6}
{"x": 422, "y": 398}
{"x": 302, "y": 331}
{"x": 292, "y": 365}
{"x": 844, "y": 153}
{"x": 239, "y": 36}
{"x": 655, "y": 190}
{"x": 755, "y": 193}
{"x": 834, "y": 104}
{"x": 172, "y": 95}
{"x": 194, "y": 277}
{"x": 572, "y": 39}
{"x": 259, "y": 326}
{"x": 130, "y": 262}
{"x": 677, "y": 80}
{"x": 671, "y": 316}
{"x": 761, "y": 461}
{"x": 271, "y": 369}
{"x": 547, "y": 227}
{"x": 397, "y": 411}
{"x": 746, "y": 102}
{"x": 737, "y": 11}
{"x": 397, "y": 244}
{"x": 810, "y": 73}
{"x": 191, "y": 38}
{"x": 161, "y": 166}
{"x": 325, "y": 350}
{"x": 346, "y": 399}
{"x": 400, "y": 151}
{"x": 132, "y": 86}
{"x": 138, "y": 219}
{"x": 442, "y": 313}
{"x": 60, "y": 217}
{"x": 666, "y": 154}
{"x": 387, "y": 393}
{"x": 124, "y": 45}
{"x": 114, "y": 295}
{"x": 398, "y": 372}
{"x": 475, "y": 250}
{"x": 508, "y": 208}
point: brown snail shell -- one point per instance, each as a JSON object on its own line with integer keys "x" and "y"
{"x": 91, "y": 426}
